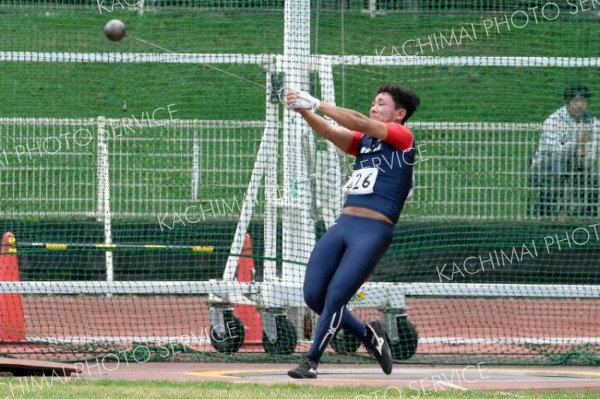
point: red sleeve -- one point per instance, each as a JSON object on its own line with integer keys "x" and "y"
{"x": 353, "y": 149}
{"x": 399, "y": 136}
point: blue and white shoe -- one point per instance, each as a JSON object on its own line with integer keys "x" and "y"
{"x": 306, "y": 369}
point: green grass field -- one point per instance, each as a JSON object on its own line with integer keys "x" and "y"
{"x": 154, "y": 173}
{"x": 110, "y": 389}
{"x": 448, "y": 93}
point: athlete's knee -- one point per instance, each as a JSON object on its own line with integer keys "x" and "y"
{"x": 337, "y": 300}
{"x": 314, "y": 299}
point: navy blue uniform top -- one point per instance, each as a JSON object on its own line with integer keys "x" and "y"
{"x": 394, "y": 159}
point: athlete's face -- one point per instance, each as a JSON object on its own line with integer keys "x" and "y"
{"x": 383, "y": 109}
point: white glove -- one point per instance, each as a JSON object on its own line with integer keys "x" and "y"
{"x": 306, "y": 101}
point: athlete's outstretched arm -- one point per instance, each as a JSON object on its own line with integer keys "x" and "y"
{"x": 354, "y": 120}
{"x": 340, "y": 136}
{"x": 351, "y": 120}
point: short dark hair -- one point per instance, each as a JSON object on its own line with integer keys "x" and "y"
{"x": 576, "y": 91}
{"x": 403, "y": 97}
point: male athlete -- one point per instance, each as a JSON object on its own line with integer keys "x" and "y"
{"x": 347, "y": 253}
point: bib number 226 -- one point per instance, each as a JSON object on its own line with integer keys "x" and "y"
{"x": 361, "y": 182}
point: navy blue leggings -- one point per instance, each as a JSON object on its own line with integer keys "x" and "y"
{"x": 340, "y": 263}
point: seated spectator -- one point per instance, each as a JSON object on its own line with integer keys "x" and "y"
{"x": 565, "y": 164}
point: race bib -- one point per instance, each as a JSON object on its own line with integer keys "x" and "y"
{"x": 361, "y": 182}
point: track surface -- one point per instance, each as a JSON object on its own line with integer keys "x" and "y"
{"x": 416, "y": 378}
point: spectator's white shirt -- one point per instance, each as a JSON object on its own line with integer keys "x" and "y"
{"x": 561, "y": 135}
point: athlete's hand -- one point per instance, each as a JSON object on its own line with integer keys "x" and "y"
{"x": 300, "y": 100}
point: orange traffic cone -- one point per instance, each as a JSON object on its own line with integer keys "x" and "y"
{"x": 12, "y": 320}
{"x": 247, "y": 313}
